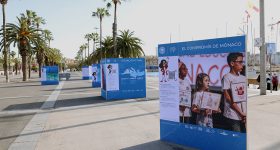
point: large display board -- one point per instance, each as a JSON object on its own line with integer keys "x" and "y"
{"x": 123, "y": 78}
{"x": 96, "y": 76}
{"x": 49, "y": 75}
{"x": 203, "y": 93}
{"x": 86, "y": 72}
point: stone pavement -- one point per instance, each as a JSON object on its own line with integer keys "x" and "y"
{"x": 85, "y": 121}
{"x": 264, "y": 122}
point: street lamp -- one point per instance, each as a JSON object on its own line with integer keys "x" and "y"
{"x": 262, "y": 51}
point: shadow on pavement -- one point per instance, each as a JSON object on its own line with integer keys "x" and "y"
{"x": 59, "y": 103}
{"x": 67, "y": 104}
{"x": 79, "y": 101}
{"x": 273, "y": 147}
{"x": 157, "y": 145}
{"x": 82, "y": 125}
{"x": 25, "y": 85}
{"x": 25, "y": 106}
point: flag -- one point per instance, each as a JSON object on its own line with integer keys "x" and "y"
{"x": 252, "y": 6}
{"x": 248, "y": 15}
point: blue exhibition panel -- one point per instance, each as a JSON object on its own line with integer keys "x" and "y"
{"x": 201, "y": 137}
{"x": 211, "y": 46}
{"x": 96, "y": 76}
{"x": 123, "y": 78}
{"x": 183, "y": 70}
{"x": 49, "y": 75}
{"x": 86, "y": 73}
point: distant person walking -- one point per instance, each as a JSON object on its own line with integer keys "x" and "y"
{"x": 268, "y": 82}
{"x": 259, "y": 80}
{"x": 275, "y": 82}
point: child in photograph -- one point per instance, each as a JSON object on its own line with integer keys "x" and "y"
{"x": 184, "y": 94}
{"x": 94, "y": 76}
{"x": 110, "y": 67}
{"x": 163, "y": 68}
{"x": 204, "y": 116}
{"x": 234, "y": 110}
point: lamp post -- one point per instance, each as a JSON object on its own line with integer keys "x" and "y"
{"x": 262, "y": 51}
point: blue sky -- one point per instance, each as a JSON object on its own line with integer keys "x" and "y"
{"x": 153, "y": 21}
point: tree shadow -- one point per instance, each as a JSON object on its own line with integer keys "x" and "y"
{"x": 80, "y": 125}
{"x": 25, "y": 85}
{"x": 273, "y": 147}
{"x": 25, "y": 106}
{"x": 64, "y": 103}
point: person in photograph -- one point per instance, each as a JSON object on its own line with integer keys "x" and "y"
{"x": 163, "y": 68}
{"x": 234, "y": 110}
{"x": 204, "y": 116}
{"x": 110, "y": 67}
{"x": 184, "y": 93}
{"x": 94, "y": 76}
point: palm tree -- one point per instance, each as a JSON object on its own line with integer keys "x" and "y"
{"x": 87, "y": 37}
{"x": 54, "y": 56}
{"x": 109, "y": 4}
{"x": 128, "y": 45}
{"x": 40, "y": 46}
{"x": 17, "y": 63}
{"x": 100, "y": 13}
{"x": 108, "y": 47}
{"x": 3, "y": 3}
{"x": 106, "y": 51}
{"x": 24, "y": 36}
{"x": 85, "y": 45}
{"x": 48, "y": 36}
{"x": 31, "y": 16}
{"x": 12, "y": 54}
{"x": 94, "y": 37}
{"x": 79, "y": 57}
{"x": 83, "y": 49}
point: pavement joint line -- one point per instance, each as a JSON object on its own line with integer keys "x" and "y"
{"x": 38, "y": 120}
{"x": 19, "y": 112}
{"x": 76, "y": 93}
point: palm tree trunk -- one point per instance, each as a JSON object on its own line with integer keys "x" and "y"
{"x": 24, "y": 77}
{"x": 40, "y": 66}
{"x": 93, "y": 47}
{"x": 29, "y": 67}
{"x": 88, "y": 48}
{"x": 101, "y": 36}
{"x": 115, "y": 31}
{"x": 16, "y": 67}
{"x": 85, "y": 54}
{"x": 5, "y": 65}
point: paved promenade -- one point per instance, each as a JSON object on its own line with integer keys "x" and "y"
{"x": 80, "y": 119}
